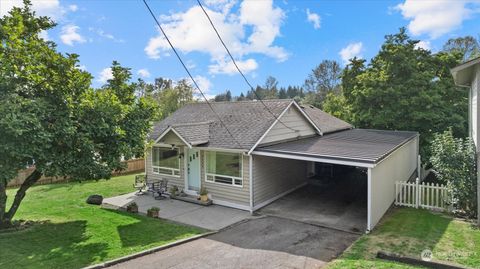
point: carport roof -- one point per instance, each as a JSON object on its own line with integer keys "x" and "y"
{"x": 356, "y": 145}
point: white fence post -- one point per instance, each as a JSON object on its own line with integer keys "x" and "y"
{"x": 417, "y": 192}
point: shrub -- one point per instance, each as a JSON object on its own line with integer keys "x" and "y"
{"x": 454, "y": 164}
{"x": 203, "y": 191}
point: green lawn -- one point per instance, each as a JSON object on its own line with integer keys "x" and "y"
{"x": 78, "y": 234}
{"x": 408, "y": 231}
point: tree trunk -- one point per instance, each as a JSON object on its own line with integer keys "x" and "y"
{"x": 29, "y": 181}
{"x": 3, "y": 201}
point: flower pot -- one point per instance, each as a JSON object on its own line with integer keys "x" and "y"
{"x": 153, "y": 214}
{"x": 132, "y": 209}
{"x": 204, "y": 198}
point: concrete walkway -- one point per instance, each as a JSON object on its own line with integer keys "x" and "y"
{"x": 212, "y": 217}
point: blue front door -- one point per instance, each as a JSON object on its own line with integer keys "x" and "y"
{"x": 193, "y": 169}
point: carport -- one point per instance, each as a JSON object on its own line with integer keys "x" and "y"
{"x": 386, "y": 156}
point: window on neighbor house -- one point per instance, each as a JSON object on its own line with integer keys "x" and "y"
{"x": 165, "y": 161}
{"x": 223, "y": 168}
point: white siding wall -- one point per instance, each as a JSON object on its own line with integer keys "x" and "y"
{"x": 399, "y": 166}
{"x": 226, "y": 193}
{"x": 293, "y": 119}
{"x": 274, "y": 176}
{"x": 179, "y": 181}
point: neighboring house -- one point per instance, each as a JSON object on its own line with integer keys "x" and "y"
{"x": 269, "y": 157}
{"x": 468, "y": 75}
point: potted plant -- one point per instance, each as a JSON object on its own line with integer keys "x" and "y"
{"x": 153, "y": 212}
{"x": 173, "y": 190}
{"x": 203, "y": 194}
{"x": 132, "y": 207}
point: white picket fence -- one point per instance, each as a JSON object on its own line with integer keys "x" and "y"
{"x": 421, "y": 195}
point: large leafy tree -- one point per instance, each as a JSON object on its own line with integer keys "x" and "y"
{"x": 49, "y": 114}
{"x": 406, "y": 88}
{"x": 325, "y": 78}
{"x": 468, "y": 46}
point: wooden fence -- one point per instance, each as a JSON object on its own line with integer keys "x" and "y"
{"x": 421, "y": 195}
{"x": 133, "y": 166}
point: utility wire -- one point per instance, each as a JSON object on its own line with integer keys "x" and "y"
{"x": 188, "y": 72}
{"x": 240, "y": 71}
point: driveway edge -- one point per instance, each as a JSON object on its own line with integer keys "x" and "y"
{"x": 148, "y": 251}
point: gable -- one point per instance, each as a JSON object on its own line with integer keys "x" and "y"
{"x": 171, "y": 138}
{"x": 281, "y": 131}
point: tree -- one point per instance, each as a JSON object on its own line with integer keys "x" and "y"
{"x": 228, "y": 96}
{"x": 323, "y": 79}
{"x": 467, "y": 46}
{"x": 241, "y": 97}
{"x": 454, "y": 164}
{"x": 406, "y": 88}
{"x": 51, "y": 116}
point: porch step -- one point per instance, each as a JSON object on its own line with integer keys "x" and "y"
{"x": 192, "y": 199}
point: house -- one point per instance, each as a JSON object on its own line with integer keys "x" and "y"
{"x": 270, "y": 149}
{"x": 467, "y": 75}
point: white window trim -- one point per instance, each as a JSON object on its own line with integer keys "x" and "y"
{"x": 223, "y": 184}
{"x": 166, "y": 168}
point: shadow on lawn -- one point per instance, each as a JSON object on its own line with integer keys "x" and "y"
{"x": 50, "y": 245}
{"x": 404, "y": 231}
{"x": 147, "y": 231}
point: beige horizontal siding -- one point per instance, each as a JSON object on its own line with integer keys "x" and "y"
{"x": 293, "y": 119}
{"x": 274, "y": 176}
{"x": 227, "y": 193}
{"x": 178, "y": 181}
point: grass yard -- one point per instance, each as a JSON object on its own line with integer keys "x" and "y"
{"x": 408, "y": 231}
{"x": 77, "y": 234}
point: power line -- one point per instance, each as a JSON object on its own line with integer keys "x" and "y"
{"x": 240, "y": 71}
{"x": 188, "y": 72}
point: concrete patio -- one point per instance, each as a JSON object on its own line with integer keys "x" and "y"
{"x": 213, "y": 217}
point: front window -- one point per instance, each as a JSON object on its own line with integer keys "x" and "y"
{"x": 224, "y": 168}
{"x": 166, "y": 161}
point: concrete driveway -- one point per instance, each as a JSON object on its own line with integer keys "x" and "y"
{"x": 267, "y": 242}
{"x": 341, "y": 206}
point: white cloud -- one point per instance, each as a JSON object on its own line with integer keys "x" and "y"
{"x": 73, "y": 8}
{"x": 105, "y": 75}
{"x": 314, "y": 18}
{"x": 69, "y": 35}
{"x": 436, "y": 18}
{"x": 426, "y": 45}
{"x": 204, "y": 83}
{"x": 190, "y": 31}
{"x": 144, "y": 73}
{"x": 103, "y": 34}
{"x": 44, "y": 35}
{"x": 50, "y": 8}
{"x": 225, "y": 66}
{"x": 350, "y": 51}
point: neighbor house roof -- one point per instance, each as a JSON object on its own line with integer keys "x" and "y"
{"x": 324, "y": 121}
{"x": 360, "y": 145}
{"x": 463, "y": 74}
{"x": 246, "y": 120}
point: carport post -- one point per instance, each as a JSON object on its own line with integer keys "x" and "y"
{"x": 250, "y": 174}
{"x": 369, "y": 201}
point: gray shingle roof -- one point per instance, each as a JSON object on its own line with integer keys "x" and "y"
{"x": 247, "y": 121}
{"x": 360, "y": 145}
{"x": 324, "y": 121}
{"x": 194, "y": 133}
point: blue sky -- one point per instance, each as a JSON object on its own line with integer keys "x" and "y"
{"x": 284, "y": 39}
